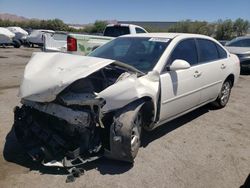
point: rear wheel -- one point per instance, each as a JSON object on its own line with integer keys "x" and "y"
{"x": 16, "y": 44}
{"x": 224, "y": 95}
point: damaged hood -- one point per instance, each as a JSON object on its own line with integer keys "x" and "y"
{"x": 47, "y": 74}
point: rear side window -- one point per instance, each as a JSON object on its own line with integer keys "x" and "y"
{"x": 185, "y": 50}
{"x": 116, "y": 31}
{"x": 207, "y": 50}
{"x": 139, "y": 30}
{"x": 221, "y": 51}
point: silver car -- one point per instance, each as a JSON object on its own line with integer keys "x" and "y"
{"x": 241, "y": 47}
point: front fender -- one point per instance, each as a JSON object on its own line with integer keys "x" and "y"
{"x": 128, "y": 90}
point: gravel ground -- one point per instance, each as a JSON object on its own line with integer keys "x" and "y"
{"x": 205, "y": 148}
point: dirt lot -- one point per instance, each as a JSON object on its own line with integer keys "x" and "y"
{"x": 205, "y": 148}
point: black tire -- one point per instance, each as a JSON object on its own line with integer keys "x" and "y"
{"x": 125, "y": 133}
{"x": 224, "y": 95}
{"x": 16, "y": 44}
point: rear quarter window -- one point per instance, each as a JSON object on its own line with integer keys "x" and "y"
{"x": 139, "y": 30}
{"x": 221, "y": 51}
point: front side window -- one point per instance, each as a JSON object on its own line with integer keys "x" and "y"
{"x": 207, "y": 50}
{"x": 185, "y": 50}
{"x": 140, "y": 52}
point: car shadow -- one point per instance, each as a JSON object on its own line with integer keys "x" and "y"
{"x": 245, "y": 72}
{"x": 246, "y": 183}
{"x": 160, "y": 131}
{"x": 14, "y": 153}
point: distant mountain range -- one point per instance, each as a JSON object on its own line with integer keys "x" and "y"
{"x": 12, "y": 17}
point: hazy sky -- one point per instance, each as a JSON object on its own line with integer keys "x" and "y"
{"x": 86, "y": 11}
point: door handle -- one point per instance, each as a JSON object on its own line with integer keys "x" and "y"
{"x": 223, "y": 66}
{"x": 197, "y": 74}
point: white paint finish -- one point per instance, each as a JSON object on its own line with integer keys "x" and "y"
{"x": 176, "y": 38}
{"x": 47, "y": 74}
{"x": 179, "y": 64}
{"x": 130, "y": 89}
{"x": 211, "y": 79}
{"x": 35, "y": 37}
{"x": 54, "y": 45}
{"x": 6, "y": 35}
{"x": 180, "y": 91}
{"x": 19, "y": 32}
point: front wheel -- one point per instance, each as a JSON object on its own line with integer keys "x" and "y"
{"x": 125, "y": 133}
{"x": 224, "y": 95}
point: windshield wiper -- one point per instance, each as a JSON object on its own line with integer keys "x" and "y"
{"x": 129, "y": 67}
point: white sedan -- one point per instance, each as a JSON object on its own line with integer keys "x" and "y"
{"x": 78, "y": 108}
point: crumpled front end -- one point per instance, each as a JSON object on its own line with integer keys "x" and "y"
{"x": 53, "y": 132}
{"x": 68, "y": 110}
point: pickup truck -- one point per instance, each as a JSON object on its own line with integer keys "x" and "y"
{"x": 83, "y": 44}
{"x": 55, "y": 42}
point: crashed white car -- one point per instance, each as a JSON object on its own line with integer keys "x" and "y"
{"x": 79, "y": 108}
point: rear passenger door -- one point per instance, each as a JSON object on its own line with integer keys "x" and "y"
{"x": 212, "y": 64}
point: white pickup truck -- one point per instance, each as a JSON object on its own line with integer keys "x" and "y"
{"x": 84, "y": 44}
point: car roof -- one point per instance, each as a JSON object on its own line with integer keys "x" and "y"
{"x": 166, "y": 35}
{"x": 43, "y": 30}
{"x": 122, "y": 24}
{"x": 242, "y": 37}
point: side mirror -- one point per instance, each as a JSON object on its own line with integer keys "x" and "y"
{"x": 179, "y": 64}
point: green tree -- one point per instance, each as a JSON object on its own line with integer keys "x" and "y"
{"x": 188, "y": 26}
{"x": 240, "y": 27}
{"x": 224, "y": 30}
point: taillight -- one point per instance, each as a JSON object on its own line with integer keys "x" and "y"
{"x": 71, "y": 44}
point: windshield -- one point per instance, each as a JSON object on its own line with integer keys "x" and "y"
{"x": 140, "y": 52}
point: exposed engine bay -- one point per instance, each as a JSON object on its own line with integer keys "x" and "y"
{"x": 71, "y": 128}
{"x": 75, "y": 113}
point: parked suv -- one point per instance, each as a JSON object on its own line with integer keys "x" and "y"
{"x": 79, "y": 108}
